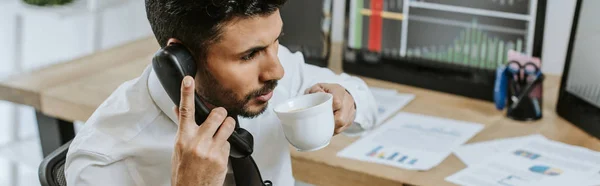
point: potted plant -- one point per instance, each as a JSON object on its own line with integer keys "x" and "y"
{"x": 47, "y": 2}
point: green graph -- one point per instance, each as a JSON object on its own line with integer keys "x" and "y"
{"x": 472, "y": 47}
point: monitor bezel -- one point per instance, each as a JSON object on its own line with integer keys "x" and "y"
{"x": 462, "y": 80}
{"x": 570, "y": 107}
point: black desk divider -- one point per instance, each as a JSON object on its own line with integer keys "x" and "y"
{"x": 444, "y": 45}
{"x": 306, "y": 28}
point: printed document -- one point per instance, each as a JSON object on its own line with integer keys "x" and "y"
{"x": 389, "y": 101}
{"x": 533, "y": 160}
{"x": 471, "y": 154}
{"x": 389, "y": 104}
{"x": 412, "y": 141}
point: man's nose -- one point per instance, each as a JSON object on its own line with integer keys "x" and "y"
{"x": 271, "y": 68}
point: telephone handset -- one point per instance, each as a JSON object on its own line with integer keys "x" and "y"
{"x": 171, "y": 64}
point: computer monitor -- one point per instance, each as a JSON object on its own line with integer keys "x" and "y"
{"x": 579, "y": 94}
{"x": 446, "y": 45}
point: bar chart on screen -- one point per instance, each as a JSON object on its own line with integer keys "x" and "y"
{"x": 587, "y": 92}
{"x": 472, "y": 46}
{"x": 582, "y": 79}
{"x": 476, "y": 33}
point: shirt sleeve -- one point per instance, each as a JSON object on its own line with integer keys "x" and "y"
{"x": 301, "y": 76}
{"x": 90, "y": 169}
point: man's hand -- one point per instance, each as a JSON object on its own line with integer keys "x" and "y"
{"x": 343, "y": 104}
{"x": 201, "y": 152}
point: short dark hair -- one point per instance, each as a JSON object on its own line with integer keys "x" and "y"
{"x": 198, "y": 23}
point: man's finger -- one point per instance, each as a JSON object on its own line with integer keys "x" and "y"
{"x": 186, "y": 104}
{"x": 346, "y": 117}
{"x": 224, "y": 131}
{"x": 225, "y": 148}
{"x": 337, "y": 102}
{"x": 340, "y": 130}
{"x": 340, "y": 121}
{"x": 213, "y": 121}
{"x": 315, "y": 88}
{"x": 339, "y": 117}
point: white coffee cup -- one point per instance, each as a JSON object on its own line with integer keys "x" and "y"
{"x": 307, "y": 120}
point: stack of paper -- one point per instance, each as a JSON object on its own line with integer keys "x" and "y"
{"x": 389, "y": 101}
{"x": 527, "y": 160}
{"x": 412, "y": 141}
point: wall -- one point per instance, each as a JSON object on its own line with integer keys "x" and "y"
{"x": 49, "y": 40}
{"x": 559, "y": 17}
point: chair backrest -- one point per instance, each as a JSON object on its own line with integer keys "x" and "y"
{"x": 51, "y": 171}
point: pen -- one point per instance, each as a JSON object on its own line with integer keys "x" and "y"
{"x": 539, "y": 77}
{"x": 536, "y": 106}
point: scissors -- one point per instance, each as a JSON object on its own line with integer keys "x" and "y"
{"x": 521, "y": 74}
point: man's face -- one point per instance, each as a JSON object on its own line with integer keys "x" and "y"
{"x": 242, "y": 68}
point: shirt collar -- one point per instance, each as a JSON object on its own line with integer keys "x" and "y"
{"x": 160, "y": 96}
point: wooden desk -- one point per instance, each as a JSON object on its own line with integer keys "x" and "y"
{"x": 71, "y": 91}
{"x": 324, "y": 168}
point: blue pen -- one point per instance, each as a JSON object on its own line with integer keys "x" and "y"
{"x": 500, "y": 87}
{"x": 536, "y": 107}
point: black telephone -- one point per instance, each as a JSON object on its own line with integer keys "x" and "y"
{"x": 171, "y": 64}
{"x": 174, "y": 62}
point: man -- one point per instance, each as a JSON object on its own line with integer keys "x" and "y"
{"x": 138, "y": 137}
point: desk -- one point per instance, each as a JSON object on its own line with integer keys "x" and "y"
{"x": 71, "y": 91}
{"x": 324, "y": 168}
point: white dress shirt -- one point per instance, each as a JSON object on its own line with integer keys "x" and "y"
{"x": 130, "y": 137}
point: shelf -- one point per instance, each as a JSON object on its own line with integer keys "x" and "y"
{"x": 473, "y": 11}
{"x": 77, "y": 7}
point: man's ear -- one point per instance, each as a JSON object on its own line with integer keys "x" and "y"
{"x": 172, "y": 40}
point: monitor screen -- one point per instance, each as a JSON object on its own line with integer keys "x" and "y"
{"x": 476, "y": 33}
{"x": 583, "y": 78}
{"x": 579, "y": 95}
{"x": 437, "y": 43}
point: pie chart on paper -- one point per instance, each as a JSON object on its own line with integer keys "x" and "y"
{"x": 545, "y": 170}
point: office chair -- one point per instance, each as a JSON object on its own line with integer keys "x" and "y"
{"x": 51, "y": 171}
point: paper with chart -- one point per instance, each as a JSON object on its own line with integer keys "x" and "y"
{"x": 592, "y": 180}
{"x": 534, "y": 161}
{"x": 389, "y": 101}
{"x": 412, "y": 141}
{"x": 471, "y": 154}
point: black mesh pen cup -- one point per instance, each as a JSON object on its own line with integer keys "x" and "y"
{"x": 524, "y": 101}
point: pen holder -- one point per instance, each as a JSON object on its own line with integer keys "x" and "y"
{"x": 524, "y": 100}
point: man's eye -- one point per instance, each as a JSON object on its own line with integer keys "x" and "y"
{"x": 249, "y": 56}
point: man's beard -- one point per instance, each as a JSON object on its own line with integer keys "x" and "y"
{"x": 217, "y": 95}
